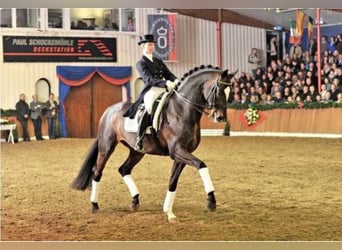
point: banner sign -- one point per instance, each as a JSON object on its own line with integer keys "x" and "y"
{"x": 59, "y": 49}
{"x": 164, "y": 29}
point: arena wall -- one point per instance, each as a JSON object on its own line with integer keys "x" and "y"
{"x": 282, "y": 122}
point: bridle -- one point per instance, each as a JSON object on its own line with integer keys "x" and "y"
{"x": 210, "y": 99}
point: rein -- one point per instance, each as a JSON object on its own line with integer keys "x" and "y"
{"x": 198, "y": 107}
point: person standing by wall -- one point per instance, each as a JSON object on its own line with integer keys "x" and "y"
{"x": 36, "y": 116}
{"x": 23, "y": 113}
{"x": 254, "y": 61}
{"x": 273, "y": 50}
{"x": 51, "y": 115}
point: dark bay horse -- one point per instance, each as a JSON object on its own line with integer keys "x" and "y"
{"x": 201, "y": 89}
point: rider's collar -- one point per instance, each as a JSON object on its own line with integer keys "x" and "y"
{"x": 149, "y": 56}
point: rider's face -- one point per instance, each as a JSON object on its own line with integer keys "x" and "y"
{"x": 148, "y": 48}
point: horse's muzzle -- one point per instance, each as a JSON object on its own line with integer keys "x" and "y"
{"x": 219, "y": 117}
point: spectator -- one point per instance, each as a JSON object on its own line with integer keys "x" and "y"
{"x": 244, "y": 99}
{"x": 312, "y": 49}
{"x": 130, "y": 24}
{"x": 254, "y": 61}
{"x": 308, "y": 99}
{"x": 287, "y": 92}
{"x": 312, "y": 92}
{"x": 269, "y": 99}
{"x": 232, "y": 98}
{"x": 92, "y": 25}
{"x": 278, "y": 98}
{"x": 324, "y": 45}
{"x": 339, "y": 60}
{"x": 258, "y": 74}
{"x": 328, "y": 97}
{"x": 51, "y": 114}
{"x": 289, "y": 99}
{"x": 338, "y": 43}
{"x": 296, "y": 51}
{"x": 339, "y": 98}
{"x": 337, "y": 83}
{"x": 236, "y": 99}
{"x": 115, "y": 26}
{"x": 273, "y": 50}
{"x": 323, "y": 92}
{"x": 36, "y": 116}
{"x": 318, "y": 98}
{"x": 23, "y": 112}
{"x": 305, "y": 92}
{"x": 333, "y": 92}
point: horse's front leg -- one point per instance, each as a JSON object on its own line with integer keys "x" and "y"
{"x": 187, "y": 158}
{"x": 177, "y": 169}
{"x": 208, "y": 187}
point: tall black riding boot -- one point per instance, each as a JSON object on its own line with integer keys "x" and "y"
{"x": 145, "y": 121}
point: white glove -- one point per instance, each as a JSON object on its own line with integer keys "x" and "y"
{"x": 170, "y": 85}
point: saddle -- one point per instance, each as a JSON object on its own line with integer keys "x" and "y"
{"x": 154, "y": 101}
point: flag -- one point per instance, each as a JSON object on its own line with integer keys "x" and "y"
{"x": 300, "y": 16}
{"x": 294, "y": 38}
{"x": 310, "y": 28}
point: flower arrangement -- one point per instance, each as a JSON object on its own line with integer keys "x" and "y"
{"x": 7, "y": 121}
{"x": 251, "y": 115}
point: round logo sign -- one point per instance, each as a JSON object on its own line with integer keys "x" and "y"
{"x": 164, "y": 35}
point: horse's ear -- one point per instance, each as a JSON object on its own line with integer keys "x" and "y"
{"x": 234, "y": 73}
{"x": 224, "y": 74}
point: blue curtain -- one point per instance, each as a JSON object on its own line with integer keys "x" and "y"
{"x": 75, "y": 76}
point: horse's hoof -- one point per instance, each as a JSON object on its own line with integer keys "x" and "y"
{"x": 211, "y": 206}
{"x": 134, "y": 207}
{"x": 173, "y": 220}
{"x": 135, "y": 203}
{"x": 95, "y": 208}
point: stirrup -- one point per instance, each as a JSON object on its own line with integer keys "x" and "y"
{"x": 139, "y": 144}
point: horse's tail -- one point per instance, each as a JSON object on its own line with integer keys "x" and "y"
{"x": 84, "y": 177}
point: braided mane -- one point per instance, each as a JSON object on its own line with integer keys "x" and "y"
{"x": 197, "y": 70}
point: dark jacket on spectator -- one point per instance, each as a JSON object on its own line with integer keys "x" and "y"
{"x": 22, "y": 109}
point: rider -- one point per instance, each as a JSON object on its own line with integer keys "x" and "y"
{"x": 154, "y": 73}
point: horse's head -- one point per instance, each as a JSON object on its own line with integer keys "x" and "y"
{"x": 217, "y": 98}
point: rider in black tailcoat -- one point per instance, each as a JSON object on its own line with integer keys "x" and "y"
{"x": 154, "y": 73}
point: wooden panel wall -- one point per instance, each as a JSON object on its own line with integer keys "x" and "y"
{"x": 327, "y": 120}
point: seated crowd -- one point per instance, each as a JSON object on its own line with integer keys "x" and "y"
{"x": 293, "y": 79}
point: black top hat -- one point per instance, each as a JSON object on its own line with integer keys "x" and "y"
{"x": 146, "y": 39}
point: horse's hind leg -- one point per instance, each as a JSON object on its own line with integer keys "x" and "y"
{"x": 106, "y": 148}
{"x": 125, "y": 170}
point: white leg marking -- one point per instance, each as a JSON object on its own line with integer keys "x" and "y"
{"x": 94, "y": 197}
{"x": 208, "y": 185}
{"x": 131, "y": 185}
{"x": 168, "y": 205}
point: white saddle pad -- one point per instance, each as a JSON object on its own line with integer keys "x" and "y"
{"x": 131, "y": 125}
